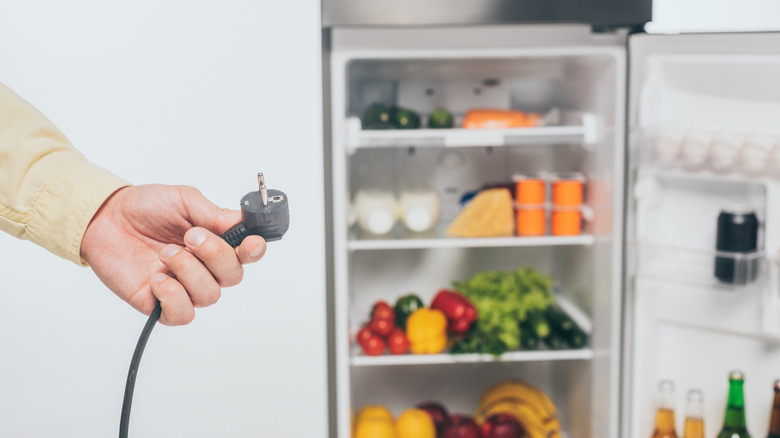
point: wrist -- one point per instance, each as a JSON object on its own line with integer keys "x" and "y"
{"x": 106, "y": 217}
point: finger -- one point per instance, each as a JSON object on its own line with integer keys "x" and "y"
{"x": 219, "y": 257}
{"x": 251, "y": 249}
{"x": 192, "y": 274}
{"x": 206, "y": 214}
{"x": 176, "y": 306}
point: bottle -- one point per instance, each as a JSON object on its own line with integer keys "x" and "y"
{"x": 734, "y": 425}
{"x": 694, "y": 415}
{"x": 664, "y": 417}
{"x": 774, "y": 423}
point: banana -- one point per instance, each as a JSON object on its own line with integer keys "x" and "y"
{"x": 512, "y": 388}
{"x": 524, "y": 413}
{"x": 511, "y": 405}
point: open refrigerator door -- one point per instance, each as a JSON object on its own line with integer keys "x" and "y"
{"x": 704, "y": 169}
{"x": 404, "y": 173}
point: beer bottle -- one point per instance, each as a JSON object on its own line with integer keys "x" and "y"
{"x": 664, "y": 417}
{"x": 694, "y": 415}
{"x": 734, "y": 425}
{"x": 774, "y": 423}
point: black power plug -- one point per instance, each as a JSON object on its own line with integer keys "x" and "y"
{"x": 264, "y": 213}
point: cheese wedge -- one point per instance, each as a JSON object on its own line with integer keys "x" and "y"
{"x": 489, "y": 214}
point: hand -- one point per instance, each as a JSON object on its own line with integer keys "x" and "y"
{"x": 157, "y": 242}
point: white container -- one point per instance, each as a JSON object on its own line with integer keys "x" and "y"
{"x": 667, "y": 144}
{"x": 376, "y": 211}
{"x": 419, "y": 209}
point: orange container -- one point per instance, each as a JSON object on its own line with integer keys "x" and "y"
{"x": 531, "y": 222}
{"x": 566, "y": 223}
{"x": 567, "y": 192}
{"x": 529, "y": 191}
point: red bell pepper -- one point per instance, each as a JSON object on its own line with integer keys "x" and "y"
{"x": 460, "y": 312}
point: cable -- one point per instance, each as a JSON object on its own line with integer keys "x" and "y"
{"x": 234, "y": 237}
{"x": 124, "y": 422}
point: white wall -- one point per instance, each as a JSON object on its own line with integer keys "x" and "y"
{"x": 203, "y": 93}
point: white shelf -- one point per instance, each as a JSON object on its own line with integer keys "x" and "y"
{"x": 583, "y": 131}
{"x": 706, "y": 175}
{"x": 432, "y": 359}
{"x": 486, "y": 242}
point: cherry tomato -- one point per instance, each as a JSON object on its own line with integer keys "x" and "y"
{"x": 381, "y": 327}
{"x": 382, "y": 310}
{"x": 398, "y": 342}
{"x": 374, "y": 346}
{"x": 363, "y": 335}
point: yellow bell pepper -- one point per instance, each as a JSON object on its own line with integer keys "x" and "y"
{"x": 415, "y": 423}
{"x": 375, "y": 428}
{"x": 427, "y": 331}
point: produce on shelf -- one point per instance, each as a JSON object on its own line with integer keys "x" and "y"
{"x": 538, "y": 324}
{"x": 440, "y": 118}
{"x": 562, "y": 324}
{"x": 489, "y": 214}
{"x": 500, "y": 118}
{"x": 460, "y": 312}
{"x": 405, "y": 306}
{"x": 462, "y": 426}
{"x": 405, "y": 118}
{"x": 397, "y": 342}
{"x": 439, "y": 415}
{"x": 503, "y": 300}
{"x": 426, "y": 330}
{"x": 377, "y": 116}
{"x": 374, "y": 421}
{"x": 502, "y": 426}
{"x": 532, "y": 408}
{"x": 528, "y": 340}
{"x": 414, "y": 423}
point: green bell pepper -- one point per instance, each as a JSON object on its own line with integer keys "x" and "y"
{"x": 405, "y": 306}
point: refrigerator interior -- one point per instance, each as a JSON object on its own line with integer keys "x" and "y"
{"x": 581, "y": 90}
{"x": 703, "y": 139}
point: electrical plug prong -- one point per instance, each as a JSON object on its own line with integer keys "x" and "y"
{"x": 263, "y": 189}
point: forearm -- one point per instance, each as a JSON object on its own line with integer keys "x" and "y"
{"x": 48, "y": 191}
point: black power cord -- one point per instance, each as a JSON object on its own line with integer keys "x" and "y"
{"x": 264, "y": 213}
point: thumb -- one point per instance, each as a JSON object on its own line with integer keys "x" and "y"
{"x": 206, "y": 214}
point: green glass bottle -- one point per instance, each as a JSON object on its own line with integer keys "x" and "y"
{"x": 734, "y": 425}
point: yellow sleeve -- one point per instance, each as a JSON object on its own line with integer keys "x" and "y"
{"x": 48, "y": 191}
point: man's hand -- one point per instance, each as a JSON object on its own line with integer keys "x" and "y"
{"x": 157, "y": 242}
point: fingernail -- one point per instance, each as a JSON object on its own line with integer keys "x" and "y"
{"x": 258, "y": 250}
{"x": 195, "y": 237}
{"x": 169, "y": 251}
{"x": 159, "y": 277}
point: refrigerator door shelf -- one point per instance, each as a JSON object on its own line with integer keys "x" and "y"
{"x": 477, "y": 242}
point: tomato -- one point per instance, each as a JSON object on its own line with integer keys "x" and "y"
{"x": 397, "y": 342}
{"x": 382, "y": 310}
{"x": 363, "y": 335}
{"x": 374, "y": 346}
{"x": 381, "y": 327}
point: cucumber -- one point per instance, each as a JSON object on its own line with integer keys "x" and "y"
{"x": 405, "y": 119}
{"x": 538, "y": 324}
{"x": 554, "y": 341}
{"x": 559, "y": 319}
{"x": 377, "y": 116}
{"x": 439, "y": 119}
{"x": 576, "y": 338}
{"x": 528, "y": 339}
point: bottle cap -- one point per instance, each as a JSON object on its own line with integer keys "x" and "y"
{"x": 777, "y": 385}
{"x": 695, "y": 395}
{"x": 737, "y": 209}
{"x": 736, "y": 375}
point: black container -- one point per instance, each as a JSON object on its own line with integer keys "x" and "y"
{"x": 737, "y": 234}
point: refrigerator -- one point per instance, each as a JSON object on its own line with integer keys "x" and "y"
{"x": 666, "y": 132}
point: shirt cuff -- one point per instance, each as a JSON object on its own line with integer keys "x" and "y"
{"x": 66, "y": 206}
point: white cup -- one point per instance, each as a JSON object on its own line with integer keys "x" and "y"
{"x": 420, "y": 209}
{"x": 376, "y": 211}
{"x": 667, "y": 144}
{"x": 724, "y": 151}
{"x": 696, "y": 148}
{"x": 755, "y": 154}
